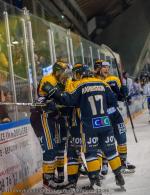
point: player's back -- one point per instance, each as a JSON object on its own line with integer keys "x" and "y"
{"x": 93, "y": 97}
{"x": 93, "y": 102}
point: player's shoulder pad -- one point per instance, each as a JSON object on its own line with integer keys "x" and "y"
{"x": 101, "y": 80}
{"x": 95, "y": 80}
{"x": 112, "y": 78}
{"x": 72, "y": 86}
{"x": 49, "y": 78}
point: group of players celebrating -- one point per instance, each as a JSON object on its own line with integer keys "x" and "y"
{"x": 77, "y": 114}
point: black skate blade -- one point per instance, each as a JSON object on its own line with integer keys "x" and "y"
{"x": 79, "y": 191}
{"x": 58, "y": 181}
{"x": 65, "y": 186}
{"x": 59, "y": 192}
{"x": 61, "y": 187}
{"x": 50, "y": 188}
{"x": 121, "y": 189}
{"x": 87, "y": 188}
{"x": 67, "y": 192}
{"x": 102, "y": 177}
{"x": 127, "y": 171}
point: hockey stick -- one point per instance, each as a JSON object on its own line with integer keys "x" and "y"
{"x": 36, "y": 104}
{"x": 22, "y": 104}
{"x": 30, "y": 104}
{"x": 126, "y": 103}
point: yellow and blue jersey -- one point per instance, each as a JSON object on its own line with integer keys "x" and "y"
{"x": 115, "y": 84}
{"x": 43, "y": 96}
{"x": 47, "y": 78}
{"x": 92, "y": 96}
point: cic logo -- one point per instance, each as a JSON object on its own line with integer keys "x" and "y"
{"x": 100, "y": 122}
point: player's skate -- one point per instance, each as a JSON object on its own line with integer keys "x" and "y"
{"x": 69, "y": 188}
{"x": 69, "y": 185}
{"x": 95, "y": 183}
{"x": 120, "y": 181}
{"x": 49, "y": 188}
{"x": 48, "y": 183}
{"x": 128, "y": 168}
{"x": 101, "y": 176}
{"x": 59, "y": 179}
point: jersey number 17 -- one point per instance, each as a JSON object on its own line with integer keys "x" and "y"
{"x": 92, "y": 100}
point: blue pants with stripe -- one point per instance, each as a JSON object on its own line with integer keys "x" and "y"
{"x": 44, "y": 127}
{"x": 48, "y": 137}
{"x": 118, "y": 127}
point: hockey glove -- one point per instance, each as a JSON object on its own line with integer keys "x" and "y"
{"x": 49, "y": 89}
{"x": 124, "y": 91}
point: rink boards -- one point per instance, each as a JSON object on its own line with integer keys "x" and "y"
{"x": 20, "y": 154}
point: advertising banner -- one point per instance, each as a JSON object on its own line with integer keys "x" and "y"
{"x": 20, "y": 153}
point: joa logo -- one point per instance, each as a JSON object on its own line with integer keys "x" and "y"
{"x": 100, "y": 122}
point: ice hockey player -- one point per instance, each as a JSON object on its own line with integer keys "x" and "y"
{"x": 146, "y": 92}
{"x": 74, "y": 149}
{"x": 102, "y": 69}
{"x": 75, "y": 143}
{"x": 45, "y": 120}
{"x": 92, "y": 96}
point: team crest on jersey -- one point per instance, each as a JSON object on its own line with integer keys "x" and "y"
{"x": 100, "y": 122}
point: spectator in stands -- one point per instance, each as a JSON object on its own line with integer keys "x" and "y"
{"x": 146, "y": 91}
{"x": 137, "y": 89}
{"x": 4, "y": 118}
{"x": 129, "y": 84}
{"x": 3, "y": 58}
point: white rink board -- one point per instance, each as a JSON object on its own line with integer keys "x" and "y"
{"x": 20, "y": 153}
